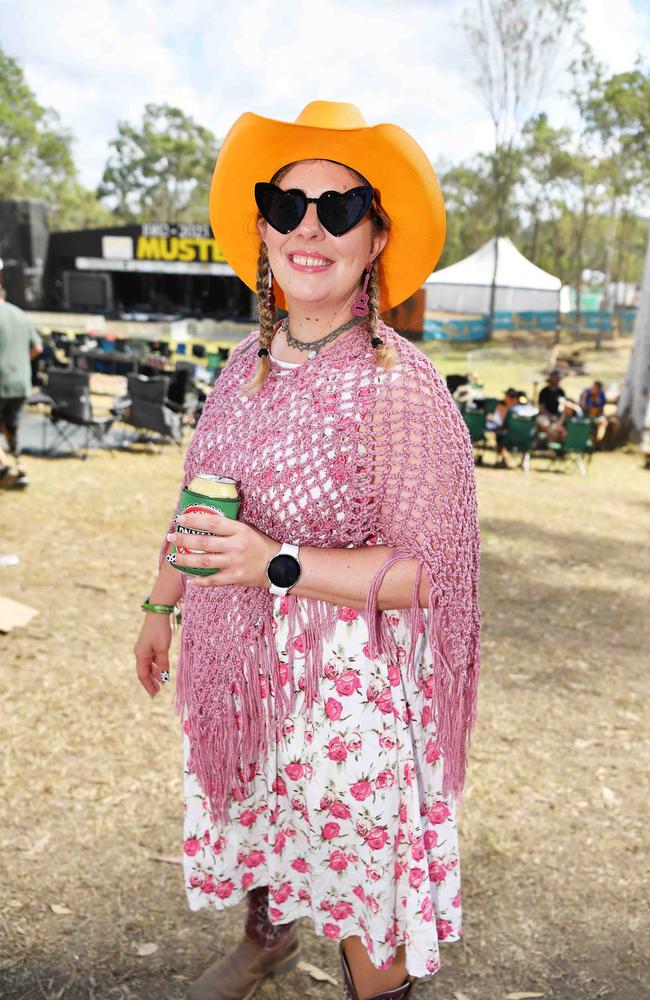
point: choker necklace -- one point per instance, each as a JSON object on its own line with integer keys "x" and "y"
{"x": 314, "y": 346}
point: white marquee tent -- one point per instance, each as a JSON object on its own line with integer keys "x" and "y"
{"x": 520, "y": 285}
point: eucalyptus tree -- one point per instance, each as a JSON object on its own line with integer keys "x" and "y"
{"x": 515, "y": 46}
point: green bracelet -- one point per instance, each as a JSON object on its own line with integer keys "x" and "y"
{"x": 160, "y": 609}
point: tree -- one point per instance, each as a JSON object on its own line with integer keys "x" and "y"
{"x": 515, "y": 44}
{"x": 616, "y": 112}
{"x": 160, "y": 169}
{"x": 634, "y": 404}
{"x": 35, "y": 150}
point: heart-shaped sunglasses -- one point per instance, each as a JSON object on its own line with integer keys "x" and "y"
{"x": 338, "y": 212}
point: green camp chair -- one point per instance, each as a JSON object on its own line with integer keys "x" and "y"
{"x": 519, "y": 437}
{"x": 475, "y": 423}
{"x": 577, "y": 442}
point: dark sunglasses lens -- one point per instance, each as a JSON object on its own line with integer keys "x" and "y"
{"x": 341, "y": 212}
{"x": 283, "y": 210}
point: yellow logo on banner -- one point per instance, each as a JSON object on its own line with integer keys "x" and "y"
{"x": 178, "y": 248}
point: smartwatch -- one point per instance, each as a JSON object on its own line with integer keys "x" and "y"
{"x": 283, "y": 570}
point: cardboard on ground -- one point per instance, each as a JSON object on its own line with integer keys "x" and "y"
{"x": 13, "y": 614}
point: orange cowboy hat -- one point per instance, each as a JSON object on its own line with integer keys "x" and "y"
{"x": 255, "y": 148}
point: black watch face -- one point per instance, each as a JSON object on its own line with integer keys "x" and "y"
{"x": 284, "y": 571}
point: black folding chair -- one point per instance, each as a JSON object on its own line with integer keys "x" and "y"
{"x": 145, "y": 408}
{"x": 68, "y": 395}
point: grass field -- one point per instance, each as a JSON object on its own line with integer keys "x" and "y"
{"x": 555, "y": 840}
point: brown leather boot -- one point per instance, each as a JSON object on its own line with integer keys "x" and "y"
{"x": 350, "y": 993}
{"x": 265, "y": 950}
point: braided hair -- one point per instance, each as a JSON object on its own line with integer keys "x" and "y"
{"x": 266, "y": 307}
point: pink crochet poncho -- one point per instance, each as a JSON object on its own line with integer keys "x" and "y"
{"x": 333, "y": 453}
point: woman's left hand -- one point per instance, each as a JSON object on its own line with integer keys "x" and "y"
{"x": 238, "y": 551}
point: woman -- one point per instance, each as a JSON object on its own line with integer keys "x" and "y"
{"x": 327, "y": 694}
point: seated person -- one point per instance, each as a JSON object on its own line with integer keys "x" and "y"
{"x": 555, "y": 408}
{"x": 592, "y": 401}
{"x": 514, "y": 402}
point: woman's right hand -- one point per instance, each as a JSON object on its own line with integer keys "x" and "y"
{"x": 152, "y": 651}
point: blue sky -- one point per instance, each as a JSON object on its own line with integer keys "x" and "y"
{"x": 405, "y": 61}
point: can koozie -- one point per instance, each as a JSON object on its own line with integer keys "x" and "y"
{"x": 205, "y": 494}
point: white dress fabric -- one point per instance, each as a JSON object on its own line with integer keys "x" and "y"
{"x": 347, "y": 823}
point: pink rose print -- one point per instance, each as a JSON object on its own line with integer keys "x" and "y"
{"x": 294, "y": 770}
{"x": 284, "y": 606}
{"x": 274, "y": 913}
{"x": 303, "y": 894}
{"x": 331, "y": 830}
{"x": 299, "y": 643}
{"x": 280, "y": 841}
{"x": 444, "y": 929}
{"x": 409, "y": 773}
{"x": 330, "y": 670}
{"x": 427, "y": 909}
{"x": 385, "y": 779}
{"x": 246, "y": 881}
{"x": 333, "y": 709}
{"x": 431, "y": 751}
{"x": 341, "y": 910}
{"x": 430, "y": 839}
{"x": 338, "y": 861}
{"x": 416, "y": 877}
{"x": 331, "y": 930}
{"x": 348, "y": 615}
{"x": 325, "y": 801}
{"x": 394, "y": 676}
{"x": 339, "y": 810}
{"x": 437, "y": 872}
{"x": 361, "y": 790}
{"x": 206, "y": 837}
{"x": 387, "y": 742}
{"x": 359, "y": 892}
{"x": 439, "y": 812}
{"x": 191, "y": 847}
{"x": 432, "y": 966}
{"x": 248, "y": 817}
{"x": 385, "y": 701}
{"x": 417, "y": 849}
{"x": 336, "y": 749}
{"x": 347, "y": 683}
{"x": 426, "y": 715}
{"x": 224, "y": 889}
{"x": 299, "y": 865}
{"x": 354, "y": 744}
{"x": 279, "y": 786}
{"x": 376, "y": 839}
{"x": 254, "y": 858}
{"x": 456, "y": 900}
{"x": 282, "y": 894}
{"x": 195, "y": 881}
{"x": 289, "y": 727}
{"x": 209, "y": 885}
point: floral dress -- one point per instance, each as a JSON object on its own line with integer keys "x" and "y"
{"x": 347, "y": 823}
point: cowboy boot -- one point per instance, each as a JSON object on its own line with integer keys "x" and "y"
{"x": 265, "y": 950}
{"x": 349, "y": 989}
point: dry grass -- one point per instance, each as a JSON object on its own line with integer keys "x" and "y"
{"x": 555, "y": 834}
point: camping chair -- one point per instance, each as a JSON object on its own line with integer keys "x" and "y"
{"x": 577, "y": 442}
{"x": 145, "y": 408}
{"x": 68, "y": 396}
{"x": 475, "y": 423}
{"x": 519, "y": 437}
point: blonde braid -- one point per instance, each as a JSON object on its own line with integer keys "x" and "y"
{"x": 266, "y": 307}
{"x": 386, "y": 356}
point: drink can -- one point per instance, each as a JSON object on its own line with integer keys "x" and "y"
{"x": 205, "y": 494}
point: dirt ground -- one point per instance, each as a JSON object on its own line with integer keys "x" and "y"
{"x": 554, "y": 826}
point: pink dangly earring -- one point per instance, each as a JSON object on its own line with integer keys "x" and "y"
{"x": 360, "y": 305}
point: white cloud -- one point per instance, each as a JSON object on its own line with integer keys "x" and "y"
{"x": 100, "y": 61}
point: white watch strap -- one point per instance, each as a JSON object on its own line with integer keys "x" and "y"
{"x": 287, "y": 549}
